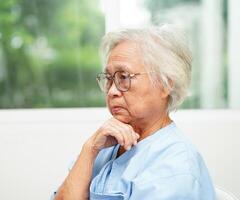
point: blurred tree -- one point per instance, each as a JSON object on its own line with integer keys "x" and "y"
{"x": 49, "y": 53}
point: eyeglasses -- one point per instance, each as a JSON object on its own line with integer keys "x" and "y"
{"x": 121, "y": 79}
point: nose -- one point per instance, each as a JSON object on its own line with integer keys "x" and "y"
{"x": 113, "y": 91}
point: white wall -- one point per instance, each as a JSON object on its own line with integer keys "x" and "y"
{"x": 37, "y": 146}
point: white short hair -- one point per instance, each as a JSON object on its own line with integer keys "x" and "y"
{"x": 164, "y": 50}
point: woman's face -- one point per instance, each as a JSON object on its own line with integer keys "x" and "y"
{"x": 142, "y": 102}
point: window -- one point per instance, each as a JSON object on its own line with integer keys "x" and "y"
{"x": 49, "y": 49}
{"x": 213, "y": 30}
{"x": 49, "y": 53}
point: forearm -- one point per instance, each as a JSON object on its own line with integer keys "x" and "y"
{"x": 76, "y": 185}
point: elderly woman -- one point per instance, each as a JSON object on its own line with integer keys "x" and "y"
{"x": 140, "y": 153}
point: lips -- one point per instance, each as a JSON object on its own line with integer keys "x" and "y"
{"x": 116, "y": 109}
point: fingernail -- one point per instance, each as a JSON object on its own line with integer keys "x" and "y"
{"x": 138, "y": 135}
{"x": 135, "y": 142}
{"x": 128, "y": 148}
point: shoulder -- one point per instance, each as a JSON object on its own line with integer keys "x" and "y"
{"x": 173, "y": 155}
{"x": 174, "y": 166}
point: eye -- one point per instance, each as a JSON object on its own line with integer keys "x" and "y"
{"x": 123, "y": 76}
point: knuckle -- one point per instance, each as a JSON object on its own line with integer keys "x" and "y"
{"x": 127, "y": 143}
{"x": 121, "y": 140}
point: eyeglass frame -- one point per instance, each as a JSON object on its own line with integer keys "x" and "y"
{"x": 112, "y": 78}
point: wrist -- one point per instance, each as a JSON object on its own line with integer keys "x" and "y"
{"x": 90, "y": 149}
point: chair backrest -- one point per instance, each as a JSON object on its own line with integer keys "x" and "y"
{"x": 223, "y": 195}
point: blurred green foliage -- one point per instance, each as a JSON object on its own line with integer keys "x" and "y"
{"x": 49, "y": 53}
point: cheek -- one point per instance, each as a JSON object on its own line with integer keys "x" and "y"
{"x": 144, "y": 101}
{"x": 143, "y": 108}
{"x": 135, "y": 105}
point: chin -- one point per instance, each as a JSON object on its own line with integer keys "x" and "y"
{"x": 122, "y": 118}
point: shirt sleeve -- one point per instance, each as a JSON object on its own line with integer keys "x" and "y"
{"x": 178, "y": 187}
{"x": 53, "y": 196}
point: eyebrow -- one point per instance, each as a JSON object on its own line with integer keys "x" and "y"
{"x": 118, "y": 68}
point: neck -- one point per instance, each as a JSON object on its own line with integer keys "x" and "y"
{"x": 145, "y": 129}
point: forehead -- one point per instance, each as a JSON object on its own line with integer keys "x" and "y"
{"x": 125, "y": 56}
{"x": 118, "y": 66}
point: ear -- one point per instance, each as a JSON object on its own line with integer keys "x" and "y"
{"x": 165, "y": 91}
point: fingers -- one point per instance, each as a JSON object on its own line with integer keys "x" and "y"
{"x": 113, "y": 132}
{"x": 120, "y": 131}
{"x": 129, "y": 135}
{"x": 135, "y": 136}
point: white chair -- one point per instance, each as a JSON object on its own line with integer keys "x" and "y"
{"x": 223, "y": 195}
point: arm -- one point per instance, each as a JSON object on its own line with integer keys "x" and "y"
{"x": 76, "y": 185}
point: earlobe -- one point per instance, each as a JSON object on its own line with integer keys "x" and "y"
{"x": 165, "y": 92}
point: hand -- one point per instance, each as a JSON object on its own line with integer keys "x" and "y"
{"x": 113, "y": 132}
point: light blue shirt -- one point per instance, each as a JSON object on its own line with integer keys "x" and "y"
{"x": 163, "y": 166}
